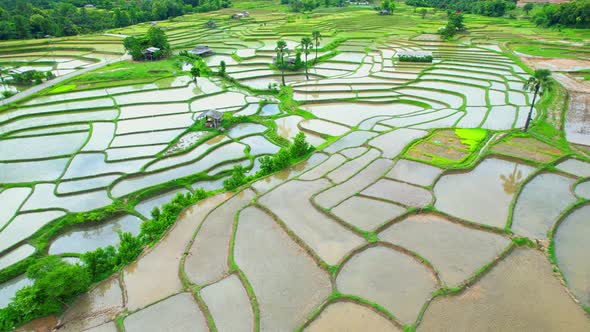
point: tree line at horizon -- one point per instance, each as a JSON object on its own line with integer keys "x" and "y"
{"x": 40, "y": 18}
{"x": 575, "y": 13}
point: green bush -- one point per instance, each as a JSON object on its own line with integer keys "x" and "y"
{"x": 238, "y": 178}
{"x": 55, "y": 284}
{"x": 285, "y": 157}
{"x": 100, "y": 263}
{"x": 412, "y": 58}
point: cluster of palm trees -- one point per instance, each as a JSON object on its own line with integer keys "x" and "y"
{"x": 307, "y": 44}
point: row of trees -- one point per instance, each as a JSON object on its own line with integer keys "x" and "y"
{"x": 309, "y": 5}
{"x": 494, "y": 8}
{"x": 36, "y": 19}
{"x": 570, "y": 14}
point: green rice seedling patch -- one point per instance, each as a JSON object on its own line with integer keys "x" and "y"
{"x": 448, "y": 148}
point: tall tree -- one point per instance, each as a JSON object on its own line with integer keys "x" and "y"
{"x": 317, "y": 36}
{"x": 281, "y": 50}
{"x": 538, "y": 83}
{"x": 527, "y": 7}
{"x": 195, "y": 72}
{"x": 306, "y": 45}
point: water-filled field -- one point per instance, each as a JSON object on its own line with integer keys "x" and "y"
{"x": 424, "y": 205}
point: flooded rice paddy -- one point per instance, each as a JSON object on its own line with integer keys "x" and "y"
{"x": 395, "y": 222}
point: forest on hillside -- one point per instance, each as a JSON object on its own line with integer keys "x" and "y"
{"x": 39, "y": 18}
{"x": 569, "y": 14}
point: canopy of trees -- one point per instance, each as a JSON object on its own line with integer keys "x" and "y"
{"x": 37, "y": 18}
{"x": 482, "y": 7}
{"x": 569, "y": 14}
{"x": 155, "y": 37}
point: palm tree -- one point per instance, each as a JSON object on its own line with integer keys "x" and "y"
{"x": 195, "y": 72}
{"x": 317, "y": 36}
{"x": 306, "y": 44}
{"x": 281, "y": 49}
{"x": 538, "y": 83}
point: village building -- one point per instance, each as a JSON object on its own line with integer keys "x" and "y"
{"x": 240, "y": 15}
{"x": 201, "y": 50}
{"x": 213, "y": 118}
{"x": 288, "y": 60}
{"x": 149, "y": 52}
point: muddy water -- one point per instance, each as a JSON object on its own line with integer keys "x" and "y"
{"x": 540, "y": 203}
{"x": 329, "y": 239}
{"x": 164, "y": 259}
{"x": 87, "y": 238}
{"x": 96, "y": 307}
{"x": 267, "y": 183}
{"x": 519, "y": 294}
{"x": 179, "y": 313}
{"x": 457, "y": 252}
{"x": 287, "y": 128}
{"x": 207, "y": 259}
{"x": 288, "y": 283}
{"x": 43, "y": 324}
{"x": 349, "y": 316}
{"x": 482, "y": 195}
{"x": 583, "y": 190}
{"x": 374, "y": 275}
{"x": 571, "y": 248}
{"x": 414, "y": 172}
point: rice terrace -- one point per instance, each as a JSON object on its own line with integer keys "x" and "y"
{"x": 294, "y": 165}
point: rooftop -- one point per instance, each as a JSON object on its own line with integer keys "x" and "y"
{"x": 414, "y": 53}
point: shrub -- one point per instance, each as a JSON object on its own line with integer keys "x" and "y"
{"x": 300, "y": 146}
{"x": 100, "y": 263}
{"x": 238, "y": 178}
{"x": 284, "y": 158}
{"x": 413, "y": 58}
{"x": 55, "y": 284}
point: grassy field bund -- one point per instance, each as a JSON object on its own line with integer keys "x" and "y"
{"x": 420, "y": 205}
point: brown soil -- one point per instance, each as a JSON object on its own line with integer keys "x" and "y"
{"x": 555, "y": 64}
